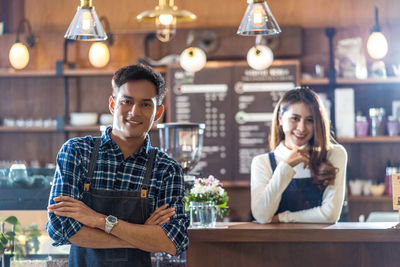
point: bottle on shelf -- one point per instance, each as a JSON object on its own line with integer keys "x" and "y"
{"x": 361, "y": 125}
{"x": 377, "y": 116}
{"x": 392, "y": 126}
{"x": 388, "y": 177}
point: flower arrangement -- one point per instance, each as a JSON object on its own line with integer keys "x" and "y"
{"x": 209, "y": 189}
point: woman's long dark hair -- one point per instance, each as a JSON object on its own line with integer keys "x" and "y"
{"x": 322, "y": 171}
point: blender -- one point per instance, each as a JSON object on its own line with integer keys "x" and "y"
{"x": 183, "y": 142}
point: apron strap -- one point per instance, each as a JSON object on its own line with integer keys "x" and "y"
{"x": 92, "y": 163}
{"x": 272, "y": 161}
{"x": 148, "y": 174}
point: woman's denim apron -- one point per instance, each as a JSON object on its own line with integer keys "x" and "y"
{"x": 130, "y": 206}
{"x": 301, "y": 194}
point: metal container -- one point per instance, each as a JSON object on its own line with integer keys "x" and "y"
{"x": 183, "y": 142}
{"x": 377, "y": 116}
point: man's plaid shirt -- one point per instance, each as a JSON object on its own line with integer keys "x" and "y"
{"x": 113, "y": 172}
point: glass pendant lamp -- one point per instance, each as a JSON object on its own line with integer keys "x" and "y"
{"x": 86, "y": 25}
{"x": 258, "y": 20}
{"x": 165, "y": 16}
{"x": 260, "y": 56}
{"x": 193, "y": 59}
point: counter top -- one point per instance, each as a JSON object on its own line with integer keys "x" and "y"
{"x": 339, "y": 232}
{"x": 253, "y": 244}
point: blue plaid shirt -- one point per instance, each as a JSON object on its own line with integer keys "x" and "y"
{"x": 113, "y": 172}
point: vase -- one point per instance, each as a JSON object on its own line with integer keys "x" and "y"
{"x": 202, "y": 214}
{"x": 7, "y": 259}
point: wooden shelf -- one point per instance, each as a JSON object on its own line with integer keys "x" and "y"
{"x": 388, "y": 80}
{"x": 9, "y": 73}
{"x": 89, "y": 128}
{"x": 370, "y": 139}
{"x": 346, "y": 81}
{"x": 383, "y": 198}
{"x": 27, "y": 129}
{"x": 69, "y": 128}
{"x": 315, "y": 81}
{"x": 27, "y": 73}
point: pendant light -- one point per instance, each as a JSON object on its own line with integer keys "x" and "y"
{"x": 199, "y": 44}
{"x": 192, "y": 59}
{"x": 260, "y": 56}
{"x": 377, "y": 45}
{"x": 165, "y": 16}
{"x": 19, "y": 54}
{"x": 85, "y": 25}
{"x": 99, "y": 53}
{"x": 258, "y": 20}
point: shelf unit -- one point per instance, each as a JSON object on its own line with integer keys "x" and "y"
{"x": 370, "y": 139}
{"x": 364, "y": 205}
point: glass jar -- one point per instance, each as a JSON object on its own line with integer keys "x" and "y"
{"x": 202, "y": 214}
{"x": 392, "y": 126}
{"x": 377, "y": 116}
{"x": 361, "y": 126}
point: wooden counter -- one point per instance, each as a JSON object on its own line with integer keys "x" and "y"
{"x": 252, "y": 245}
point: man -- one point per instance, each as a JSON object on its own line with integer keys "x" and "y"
{"x": 105, "y": 188}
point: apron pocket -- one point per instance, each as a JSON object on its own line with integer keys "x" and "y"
{"x": 116, "y": 254}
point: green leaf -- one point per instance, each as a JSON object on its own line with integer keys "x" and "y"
{"x": 3, "y": 239}
{"x": 2, "y": 248}
{"x": 12, "y": 220}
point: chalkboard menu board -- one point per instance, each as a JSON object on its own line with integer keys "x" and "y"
{"x": 236, "y": 104}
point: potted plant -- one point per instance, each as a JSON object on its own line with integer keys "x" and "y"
{"x": 7, "y": 240}
{"x": 205, "y": 200}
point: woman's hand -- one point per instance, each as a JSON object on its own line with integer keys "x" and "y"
{"x": 297, "y": 156}
{"x": 160, "y": 215}
{"x": 77, "y": 210}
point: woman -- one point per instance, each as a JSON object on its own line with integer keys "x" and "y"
{"x": 303, "y": 179}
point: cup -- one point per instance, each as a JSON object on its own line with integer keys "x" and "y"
{"x": 361, "y": 126}
{"x": 366, "y": 188}
{"x": 356, "y": 187}
{"x": 392, "y": 126}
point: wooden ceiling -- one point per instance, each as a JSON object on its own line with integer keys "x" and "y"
{"x": 55, "y": 16}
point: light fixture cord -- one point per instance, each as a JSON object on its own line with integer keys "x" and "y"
{"x": 377, "y": 27}
{"x": 20, "y": 28}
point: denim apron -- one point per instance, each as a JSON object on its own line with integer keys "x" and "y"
{"x": 130, "y": 206}
{"x": 301, "y": 194}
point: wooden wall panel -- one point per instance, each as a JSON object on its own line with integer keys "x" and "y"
{"x": 50, "y": 15}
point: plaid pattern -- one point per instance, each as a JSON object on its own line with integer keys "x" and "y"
{"x": 113, "y": 172}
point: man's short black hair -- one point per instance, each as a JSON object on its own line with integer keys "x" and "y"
{"x": 139, "y": 72}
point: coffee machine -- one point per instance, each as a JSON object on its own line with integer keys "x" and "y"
{"x": 183, "y": 142}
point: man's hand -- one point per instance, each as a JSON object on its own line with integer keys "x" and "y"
{"x": 161, "y": 215}
{"x": 77, "y": 210}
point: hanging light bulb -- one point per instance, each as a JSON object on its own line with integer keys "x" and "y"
{"x": 258, "y": 19}
{"x": 377, "y": 45}
{"x": 192, "y": 59}
{"x": 260, "y": 57}
{"x": 166, "y": 27}
{"x": 86, "y": 24}
{"x": 165, "y": 16}
{"x": 19, "y": 54}
{"x": 99, "y": 54}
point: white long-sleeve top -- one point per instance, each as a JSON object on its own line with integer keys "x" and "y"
{"x": 267, "y": 188}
